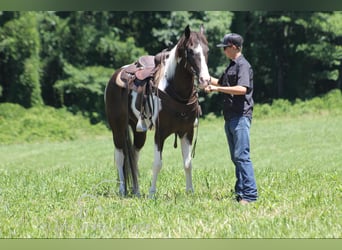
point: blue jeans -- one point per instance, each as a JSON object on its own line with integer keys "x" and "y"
{"x": 237, "y": 132}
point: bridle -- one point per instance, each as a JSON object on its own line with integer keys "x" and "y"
{"x": 191, "y": 68}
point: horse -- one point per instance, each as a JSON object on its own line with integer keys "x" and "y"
{"x": 169, "y": 104}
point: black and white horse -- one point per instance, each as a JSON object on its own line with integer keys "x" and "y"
{"x": 172, "y": 109}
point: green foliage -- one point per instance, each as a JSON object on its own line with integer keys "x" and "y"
{"x": 83, "y": 90}
{"x": 18, "y": 125}
{"x": 329, "y": 103}
{"x": 301, "y": 52}
{"x": 20, "y": 47}
{"x": 53, "y": 34}
{"x": 217, "y": 24}
{"x": 117, "y": 53}
{"x": 173, "y": 27}
{"x": 295, "y": 55}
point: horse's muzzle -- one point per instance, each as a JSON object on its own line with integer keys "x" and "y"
{"x": 203, "y": 82}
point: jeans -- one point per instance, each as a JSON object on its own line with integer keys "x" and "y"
{"x": 237, "y": 132}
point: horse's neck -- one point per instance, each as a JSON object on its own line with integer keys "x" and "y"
{"x": 177, "y": 81}
{"x": 181, "y": 86}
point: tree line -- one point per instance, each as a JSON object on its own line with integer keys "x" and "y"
{"x": 66, "y": 58}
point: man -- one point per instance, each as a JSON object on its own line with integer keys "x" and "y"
{"x": 236, "y": 84}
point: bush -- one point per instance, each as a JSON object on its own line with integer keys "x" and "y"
{"x": 18, "y": 124}
{"x": 329, "y": 103}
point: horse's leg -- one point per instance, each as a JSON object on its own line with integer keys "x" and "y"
{"x": 157, "y": 165}
{"x": 139, "y": 142}
{"x": 136, "y": 188}
{"x": 186, "y": 152}
{"x": 116, "y": 103}
{"x": 119, "y": 159}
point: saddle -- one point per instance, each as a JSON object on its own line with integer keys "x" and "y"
{"x": 139, "y": 77}
{"x": 136, "y": 75}
{"x": 141, "y": 69}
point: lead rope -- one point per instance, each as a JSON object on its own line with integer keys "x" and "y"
{"x": 194, "y": 147}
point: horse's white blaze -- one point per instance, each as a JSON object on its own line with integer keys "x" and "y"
{"x": 157, "y": 165}
{"x": 204, "y": 76}
{"x": 119, "y": 159}
{"x": 186, "y": 152}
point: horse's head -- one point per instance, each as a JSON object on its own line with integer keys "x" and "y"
{"x": 193, "y": 47}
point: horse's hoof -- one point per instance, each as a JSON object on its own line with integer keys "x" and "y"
{"x": 122, "y": 193}
{"x": 152, "y": 196}
{"x": 137, "y": 195}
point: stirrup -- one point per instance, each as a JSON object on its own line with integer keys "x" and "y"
{"x": 196, "y": 123}
{"x": 141, "y": 125}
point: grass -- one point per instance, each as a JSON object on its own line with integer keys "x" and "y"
{"x": 69, "y": 189}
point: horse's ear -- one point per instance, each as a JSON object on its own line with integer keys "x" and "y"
{"x": 202, "y": 30}
{"x": 187, "y": 32}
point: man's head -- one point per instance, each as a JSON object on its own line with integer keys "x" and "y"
{"x": 231, "y": 39}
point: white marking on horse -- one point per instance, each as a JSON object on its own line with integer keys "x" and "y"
{"x": 170, "y": 69}
{"x": 186, "y": 153}
{"x": 119, "y": 159}
{"x": 204, "y": 76}
{"x": 157, "y": 165}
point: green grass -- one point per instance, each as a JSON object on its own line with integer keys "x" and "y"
{"x": 69, "y": 189}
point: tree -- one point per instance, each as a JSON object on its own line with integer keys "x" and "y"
{"x": 53, "y": 33}
{"x": 82, "y": 90}
{"x": 323, "y": 51}
{"x": 19, "y": 49}
{"x": 294, "y": 54}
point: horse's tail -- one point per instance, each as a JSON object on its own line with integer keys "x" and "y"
{"x": 130, "y": 163}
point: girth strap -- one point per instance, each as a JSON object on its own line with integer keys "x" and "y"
{"x": 184, "y": 111}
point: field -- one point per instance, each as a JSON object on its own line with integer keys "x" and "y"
{"x": 68, "y": 189}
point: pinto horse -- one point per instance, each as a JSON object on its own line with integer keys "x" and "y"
{"x": 171, "y": 107}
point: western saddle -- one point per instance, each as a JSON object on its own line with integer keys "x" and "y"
{"x": 140, "y": 77}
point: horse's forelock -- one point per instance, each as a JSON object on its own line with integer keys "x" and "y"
{"x": 194, "y": 39}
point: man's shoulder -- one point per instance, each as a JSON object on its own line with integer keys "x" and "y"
{"x": 241, "y": 61}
